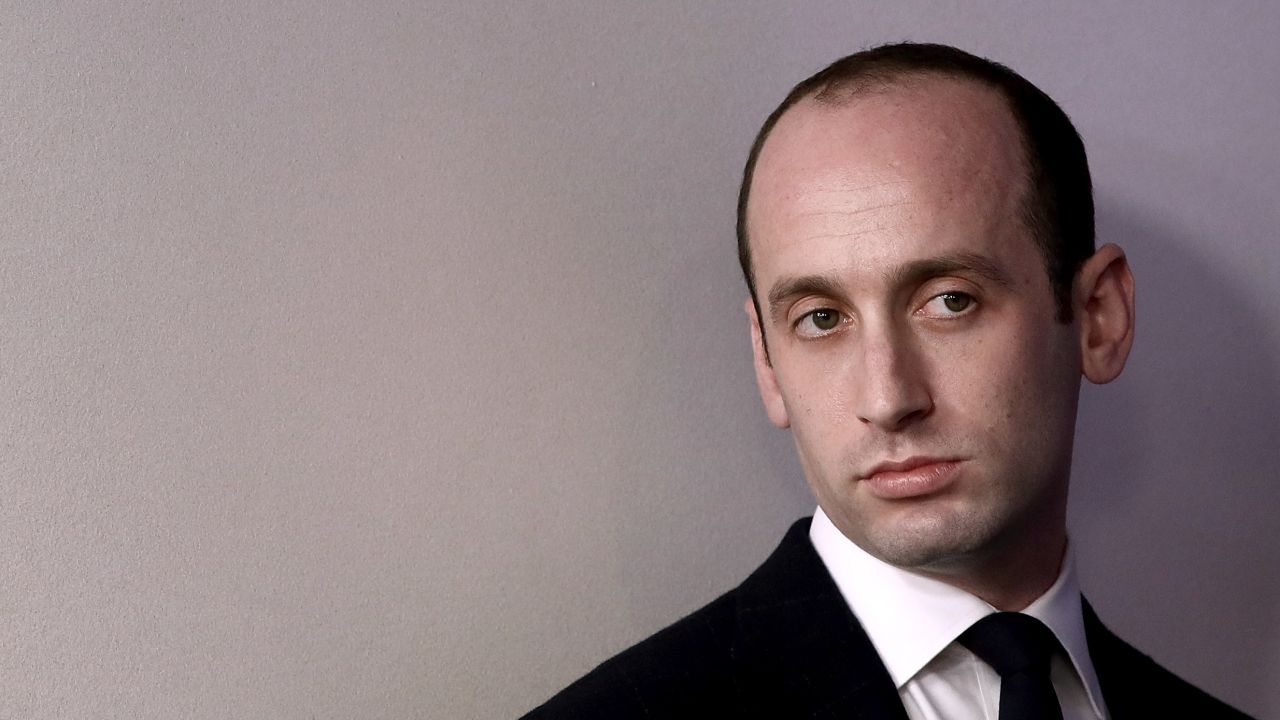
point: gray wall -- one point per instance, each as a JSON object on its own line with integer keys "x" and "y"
{"x": 385, "y": 359}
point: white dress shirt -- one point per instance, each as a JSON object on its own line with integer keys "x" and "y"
{"x": 913, "y": 621}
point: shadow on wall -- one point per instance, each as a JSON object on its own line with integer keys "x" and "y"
{"x": 1176, "y": 487}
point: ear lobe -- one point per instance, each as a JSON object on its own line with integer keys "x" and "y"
{"x": 766, "y": 380}
{"x": 1104, "y": 299}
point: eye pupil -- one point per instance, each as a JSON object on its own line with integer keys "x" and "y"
{"x": 956, "y": 302}
{"x": 825, "y": 319}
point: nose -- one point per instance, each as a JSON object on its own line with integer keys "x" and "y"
{"x": 893, "y": 392}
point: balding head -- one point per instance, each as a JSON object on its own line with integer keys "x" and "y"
{"x": 1057, "y": 205}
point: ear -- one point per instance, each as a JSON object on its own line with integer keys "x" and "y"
{"x": 766, "y": 380}
{"x": 1104, "y": 305}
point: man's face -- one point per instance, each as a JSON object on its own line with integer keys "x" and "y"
{"x": 913, "y": 346}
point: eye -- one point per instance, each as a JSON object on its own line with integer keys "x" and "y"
{"x": 817, "y": 323}
{"x": 949, "y": 305}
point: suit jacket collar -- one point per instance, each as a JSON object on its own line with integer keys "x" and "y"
{"x": 1125, "y": 674}
{"x": 794, "y": 627}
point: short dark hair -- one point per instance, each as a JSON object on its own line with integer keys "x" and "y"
{"x": 1057, "y": 207}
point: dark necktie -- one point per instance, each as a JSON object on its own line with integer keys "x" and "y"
{"x": 1019, "y": 648}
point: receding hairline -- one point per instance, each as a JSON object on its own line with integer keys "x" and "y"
{"x": 1057, "y": 204}
{"x": 845, "y": 90}
{"x": 842, "y": 94}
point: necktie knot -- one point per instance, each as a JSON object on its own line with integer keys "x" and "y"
{"x": 1018, "y": 647}
{"x": 1011, "y": 643}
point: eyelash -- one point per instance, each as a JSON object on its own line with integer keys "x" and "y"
{"x": 971, "y": 304}
{"x": 819, "y": 332}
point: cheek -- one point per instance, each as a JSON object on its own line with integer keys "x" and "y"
{"x": 818, "y": 389}
{"x": 819, "y": 398}
{"x": 1012, "y": 382}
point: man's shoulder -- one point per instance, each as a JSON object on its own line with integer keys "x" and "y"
{"x": 782, "y": 644}
{"x": 776, "y": 626}
{"x": 1135, "y": 685}
{"x": 674, "y": 672}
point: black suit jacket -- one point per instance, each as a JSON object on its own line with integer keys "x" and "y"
{"x": 784, "y": 644}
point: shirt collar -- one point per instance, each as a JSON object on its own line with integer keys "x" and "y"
{"x": 1060, "y": 609}
{"x": 911, "y": 618}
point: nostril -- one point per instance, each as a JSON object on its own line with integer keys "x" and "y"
{"x": 899, "y": 415}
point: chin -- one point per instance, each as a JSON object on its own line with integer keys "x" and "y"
{"x": 931, "y": 543}
{"x": 904, "y": 553}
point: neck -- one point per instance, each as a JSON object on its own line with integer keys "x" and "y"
{"x": 1010, "y": 578}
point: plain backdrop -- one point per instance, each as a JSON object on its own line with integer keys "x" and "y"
{"x": 386, "y": 359}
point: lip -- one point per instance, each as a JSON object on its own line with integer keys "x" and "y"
{"x": 910, "y": 478}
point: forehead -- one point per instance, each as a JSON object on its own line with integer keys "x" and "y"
{"x": 932, "y": 159}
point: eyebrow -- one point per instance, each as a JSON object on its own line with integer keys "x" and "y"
{"x": 963, "y": 263}
{"x": 787, "y": 288}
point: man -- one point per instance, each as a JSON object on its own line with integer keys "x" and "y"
{"x": 916, "y": 230}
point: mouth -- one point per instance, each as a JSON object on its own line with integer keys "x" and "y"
{"x": 910, "y": 478}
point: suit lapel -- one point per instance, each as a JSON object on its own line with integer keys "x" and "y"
{"x": 795, "y": 630}
{"x": 803, "y": 654}
{"x": 1123, "y": 672}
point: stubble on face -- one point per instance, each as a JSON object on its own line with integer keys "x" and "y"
{"x": 852, "y": 194}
